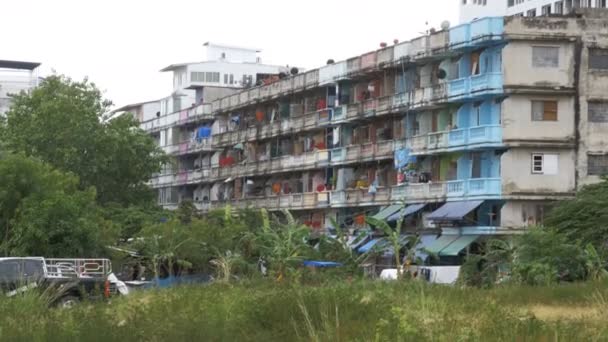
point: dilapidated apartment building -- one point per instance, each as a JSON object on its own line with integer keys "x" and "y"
{"x": 477, "y": 129}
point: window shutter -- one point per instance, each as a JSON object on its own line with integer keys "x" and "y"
{"x": 550, "y": 162}
{"x": 550, "y": 111}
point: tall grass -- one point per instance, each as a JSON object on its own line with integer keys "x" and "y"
{"x": 359, "y": 311}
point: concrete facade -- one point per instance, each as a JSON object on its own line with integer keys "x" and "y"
{"x": 475, "y": 9}
{"x": 16, "y": 76}
{"x": 496, "y": 118}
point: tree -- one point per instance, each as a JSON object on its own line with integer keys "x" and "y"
{"x": 284, "y": 246}
{"x": 43, "y": 211}
{"x": 584, "y": 217}
{"x": 62, "y": 123}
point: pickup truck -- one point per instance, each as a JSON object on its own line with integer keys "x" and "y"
{"x": 68, "y": 281}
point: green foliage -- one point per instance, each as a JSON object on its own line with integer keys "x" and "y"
{"x": 43, "y": 212}
{"x": 545, "y": 256}
{"x": 338, "y": 311}
{"x": 283, "y": 245}
{"x": 62, "y": 123}
{"x": 585, "y": 217}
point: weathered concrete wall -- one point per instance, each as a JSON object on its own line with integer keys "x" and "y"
{"x": 518, "y": 69}
{"x": 518, "y": 125}
{"x": 521, "y": 214}
{"x": 518, "y": 179}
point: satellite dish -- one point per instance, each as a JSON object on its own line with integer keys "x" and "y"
{"x": 282, "y": 75}
{"x": 441, "y": 74}
{"x": 294, "y": 71}
{"x": 330, "y": 61}
{"x": 445, "y": 25}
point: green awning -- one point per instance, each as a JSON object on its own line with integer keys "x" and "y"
{"x": 441, "y": 243}
{"x": 388, "y": 211}
{"x": 454, "y": 248}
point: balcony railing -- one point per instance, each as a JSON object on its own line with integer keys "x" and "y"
{"x": 474, "y": 187}
{"x": 476, "y": 135}
{"x": 310, "y": 200}
{"x": 410, "y": 193}
{"x": 362, "y": 152}
{"x": 311, "y": 120}
{"x": 177, "y": 118}
{"x": 419, "y": 192}
{"x": 181, "y": 178}
{"x": 285, "y": 163}
{"x": 476, "y": 85}
{"x": 491, "y": 28}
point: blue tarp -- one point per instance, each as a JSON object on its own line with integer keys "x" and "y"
{"x": 405, "y": 212}
{"x": 173, "y": 280}
{"x": 202, "y": 133}
{"x": 321, "y": 264}
{"x": 454, "y": 211}
{"x": 402, "y": 158}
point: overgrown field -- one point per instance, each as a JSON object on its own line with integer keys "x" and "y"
{"x": 338, "y": 311}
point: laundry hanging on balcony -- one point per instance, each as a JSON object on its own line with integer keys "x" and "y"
{"x": 403, "y": 158}
{"x": 203, "y": 133}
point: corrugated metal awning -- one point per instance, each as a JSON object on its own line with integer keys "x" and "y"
{"x": 454, "y": 248}
{"x": 407, "y": 211}
{"x": 388, "y": 211}
{"x": 454, "y": 211}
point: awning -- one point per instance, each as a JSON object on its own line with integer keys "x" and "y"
{"x": 388, "y": 211}
{"x": 368, "y": 246}
{"x": 425, "y": 242}
{"x": 405, "y": 212}
{"x": 458, "y": 245}
{"x": 355, "y": 242}
{"x": 441, "y": 243}
{"x": 454, "y": 211}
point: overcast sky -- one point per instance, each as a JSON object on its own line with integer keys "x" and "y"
{"x": 122, "y": 44}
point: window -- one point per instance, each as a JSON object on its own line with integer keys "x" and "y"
{"x": 544, "y": 163}
{"x": 546, "y": 10}
{"x": 600, "y": 3}
{"x": 212, "y": 77}
{"x": 598, "y": 59}
{"x": 9, "y": 270}
{"x": 597, "y": 165}
{"x": 545, "y": 57}
{"x": 32, "y": 269}
{"x": 521, "y": 14}
{"x": 231, "y": 79}
{"x": 197, "y": 77}
{"x": 558, "y": 8}
{"x": 225, "y": 78}
{"x": 510, "y": 3}
{"x": 597, "y": 111}
{"x": 531, "y": 13}
{"x": 544, "y": 110}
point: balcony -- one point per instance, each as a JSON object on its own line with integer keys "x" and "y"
{"x": 310, "y": 200}
{"x": 308, "y": 160}
{"x": 180, "y": 178}
{"x": 491, "y": 28}
{"x": 475, "y": 86}
{"x": 356, "y": 197}
{"x": 476, "y": 32}
{"x": 419, "y": 192}
{"x": 363, "y": 152}
{"x": 474, "y": 187}
{"x": 478, "y": 135}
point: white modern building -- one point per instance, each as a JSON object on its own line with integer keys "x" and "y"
{"x": 16, "y": 76}
{"x": 475, "y": 9}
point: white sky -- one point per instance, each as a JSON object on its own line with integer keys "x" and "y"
{"x": 121, "y": 44}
